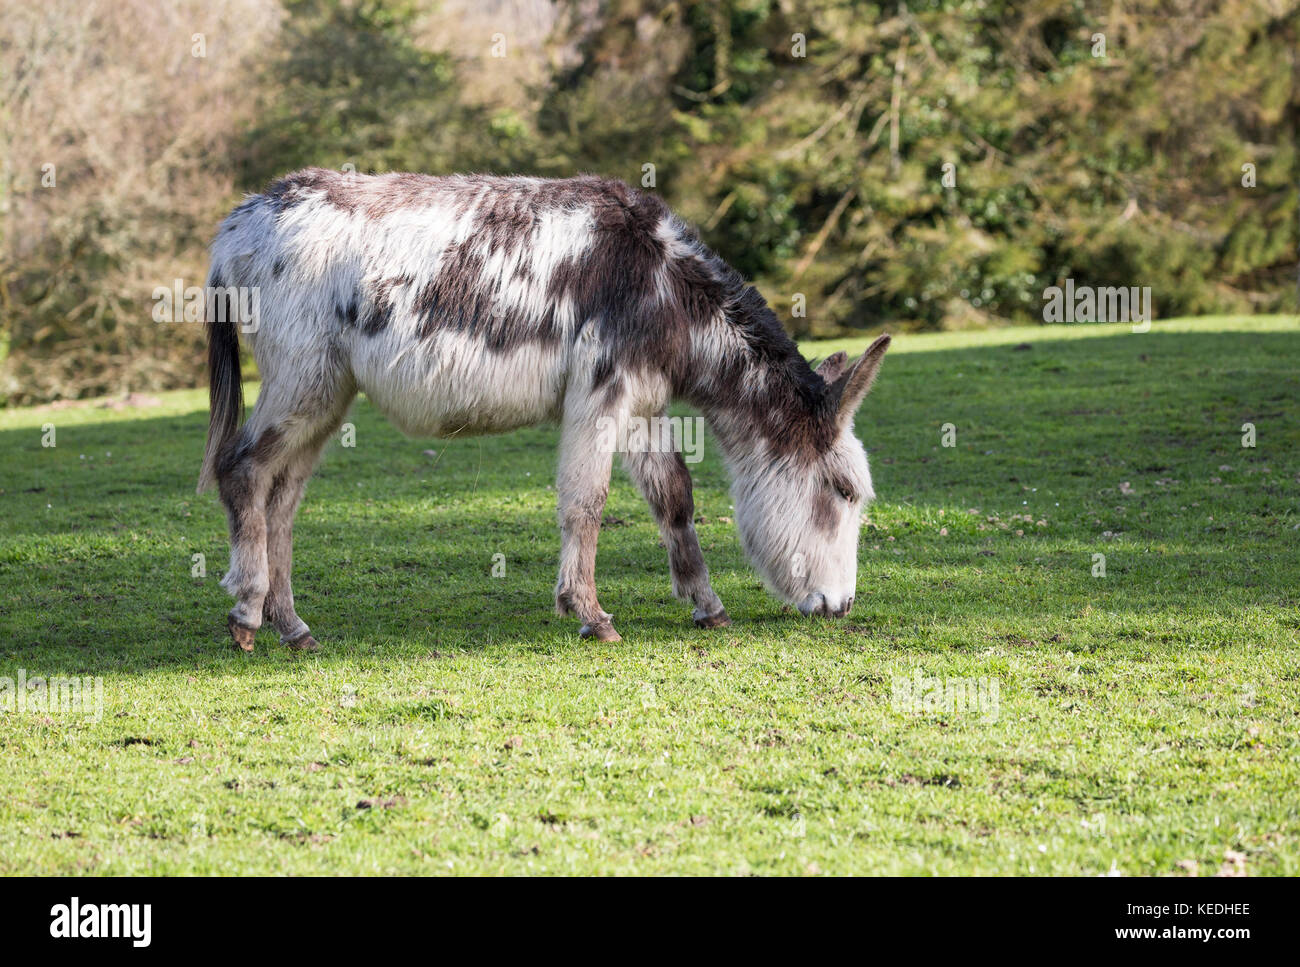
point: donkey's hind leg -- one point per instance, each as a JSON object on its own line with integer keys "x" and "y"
{"x": 582, "y": 485}
{"x": 281, "y": 507}
{"x": 244, "y": 475}
{"x": 261, "y": 479}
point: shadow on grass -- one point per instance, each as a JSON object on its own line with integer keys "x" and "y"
{"x": 95, "y": 552}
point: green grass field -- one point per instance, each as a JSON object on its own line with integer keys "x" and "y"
{"x": 1145, "y": 722}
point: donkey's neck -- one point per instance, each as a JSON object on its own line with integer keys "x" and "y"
{"x": 747, "y": 377}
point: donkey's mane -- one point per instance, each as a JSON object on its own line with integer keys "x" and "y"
{"x": 768, "y": 388}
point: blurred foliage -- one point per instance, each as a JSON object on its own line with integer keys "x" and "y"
{"x": 810, "y": 140}
{"x": 115, "y": 125}
{"x": 349, "y": 86}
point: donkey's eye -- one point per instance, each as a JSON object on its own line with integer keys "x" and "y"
{"x": 844, "y": 492}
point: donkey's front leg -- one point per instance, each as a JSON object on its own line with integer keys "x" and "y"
{"x": 583, "y": 486}
{"x": 665, "y": 483}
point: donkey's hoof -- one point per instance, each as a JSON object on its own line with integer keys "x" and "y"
{"x": 601, "y": 632}
{"x": 242, "y": 634}
{"x": 719, "y": 620}
{"x": 305, "y": 643}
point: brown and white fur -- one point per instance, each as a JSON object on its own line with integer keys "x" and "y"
{"x": 472, "y": 304}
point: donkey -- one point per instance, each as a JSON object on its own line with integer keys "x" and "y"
{"x": 466, "y": 305}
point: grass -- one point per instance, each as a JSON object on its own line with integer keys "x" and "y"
{"x": 1146, "y": 721}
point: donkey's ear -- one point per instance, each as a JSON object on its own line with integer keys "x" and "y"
{"x": 832, "y": 367}
{"x": 852, "y": 386}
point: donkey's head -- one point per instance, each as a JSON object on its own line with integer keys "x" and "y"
{"x": 799, "y": 515}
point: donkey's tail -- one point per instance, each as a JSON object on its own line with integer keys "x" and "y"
{"x": 225, "y": 382}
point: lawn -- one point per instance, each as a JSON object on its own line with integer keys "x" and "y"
{"x": 1141, "y": 722}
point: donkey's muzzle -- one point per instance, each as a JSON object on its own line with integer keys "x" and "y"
{"x": 816, "y": 604}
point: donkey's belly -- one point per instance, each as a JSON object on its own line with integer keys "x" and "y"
{"x": 453, "y": 386}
